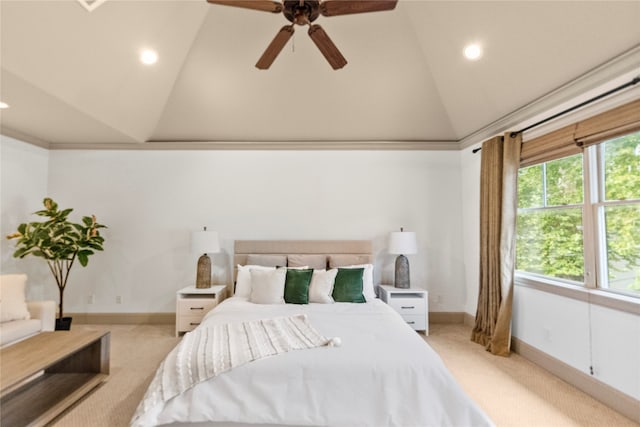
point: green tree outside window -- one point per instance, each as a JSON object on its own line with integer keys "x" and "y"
{"x": 550, "y": 215}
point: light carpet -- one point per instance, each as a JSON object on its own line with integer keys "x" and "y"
{"x": 512, "y": 391}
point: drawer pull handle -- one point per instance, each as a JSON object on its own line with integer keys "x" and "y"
{"x": 411, "y": 323}
{"x": 196, "y": 308}
{"x": 403, "y": 307}
{"x": 193, "y": 324}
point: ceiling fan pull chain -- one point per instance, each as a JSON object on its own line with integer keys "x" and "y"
{"x": 293, "y": 43}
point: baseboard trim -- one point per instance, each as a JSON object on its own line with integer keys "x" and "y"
{"x": 446, "y": 317}
{"x": 621, "y": 402}
{"x": 469, "y": 320}
{"x": 123, "y": 318}
{"x": 169, "y": 318}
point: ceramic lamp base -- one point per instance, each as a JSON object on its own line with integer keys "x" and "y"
{"x": 402, "y": 272}
{"x": 203, "y": 276}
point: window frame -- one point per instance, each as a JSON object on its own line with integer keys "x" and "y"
{"x": 594, "y": 238}
{"x": 598, "y": 211}
{"x": 545, "y": 208}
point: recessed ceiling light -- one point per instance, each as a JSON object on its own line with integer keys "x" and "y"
{"x": 472, "y": 52}
{"x": 149, "y": 57}
{"x": 3, "y": 105}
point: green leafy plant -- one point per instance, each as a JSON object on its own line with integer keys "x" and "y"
{"x": 59, "y": 241}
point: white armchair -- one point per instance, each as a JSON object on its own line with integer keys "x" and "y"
{"x": 45, "y": 311}
{"x": 20, "y": 319}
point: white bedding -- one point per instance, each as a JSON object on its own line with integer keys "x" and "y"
{"x": 383, "y": 374}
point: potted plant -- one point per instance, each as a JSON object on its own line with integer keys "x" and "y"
{"x": 60, "y": 242}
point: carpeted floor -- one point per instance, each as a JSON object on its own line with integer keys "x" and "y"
{"x": 512, "y": 391}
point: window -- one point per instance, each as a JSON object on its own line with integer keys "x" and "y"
{"x": 550, "y": 217}
{"x": 568, "y": 210}
{"x": 619, "y": 213}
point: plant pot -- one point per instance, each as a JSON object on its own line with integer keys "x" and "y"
{"x": 63, "y": 324}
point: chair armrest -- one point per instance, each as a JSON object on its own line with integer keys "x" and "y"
{"x": 45, "y": 311}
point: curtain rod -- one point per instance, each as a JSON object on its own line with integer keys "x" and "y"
{"x": 632, "y": 82}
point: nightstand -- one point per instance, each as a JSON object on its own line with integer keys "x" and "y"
{"x": 412, "y": 304}
{"x": 193, "y": 303}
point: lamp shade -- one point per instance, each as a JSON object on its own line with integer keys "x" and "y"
{"x": 403, "y": 243}
{"x": 205, "y": 242}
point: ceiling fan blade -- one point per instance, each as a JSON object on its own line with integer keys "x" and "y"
{"x": 275, "y": 47}
{"x": 264, "y": 5}
{"x": 326, "y": 46}
{"x": 346, "y": 7}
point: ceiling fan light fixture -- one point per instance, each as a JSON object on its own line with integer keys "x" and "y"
{"x": 472, "y": 52}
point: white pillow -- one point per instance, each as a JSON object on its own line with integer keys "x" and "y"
{"x": 321, "y": 286}
{"x": 267, "y": 286}
{"x": 243, "y": 279}
{"x": 12, "y": 297}
{"x": 368, "y": 290}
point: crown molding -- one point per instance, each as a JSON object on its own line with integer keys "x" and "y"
{"x": 21, "y": 136}
{"x": 264, "y": 145}
{"x": 603, "y": 77}
{"x": 608, "y": 74}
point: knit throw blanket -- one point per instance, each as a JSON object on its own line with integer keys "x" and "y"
{"x": 209, "y": 351}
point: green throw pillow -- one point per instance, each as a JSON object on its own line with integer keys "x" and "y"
{"x": 348, "y": 285}
{"x": 296, "y": 286}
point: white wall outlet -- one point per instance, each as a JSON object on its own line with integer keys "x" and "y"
{"x": 91, "y": 299}
{"x": 118, "y": 299}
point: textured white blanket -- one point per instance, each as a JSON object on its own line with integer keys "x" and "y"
{"x": 209, "y": 351}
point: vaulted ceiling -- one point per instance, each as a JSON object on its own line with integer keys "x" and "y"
{"x": 72, "y": 77}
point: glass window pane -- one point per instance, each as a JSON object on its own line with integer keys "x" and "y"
{"x": 530, "y": 187}
{"x": 564, "y": 181}
{"x": 623, "y": 247}
{"x": 549, "y": 242}
{"x": 622, "y": 167}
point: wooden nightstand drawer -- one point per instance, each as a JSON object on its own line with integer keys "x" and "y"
{"x": 407, "y": 304}
{"x": 192, "y": 304}
{"x": 411, "y": 303}
{"x": 195, "y": 306}
{"x": 416, "y": 321}
{"x": 188, "y": 323}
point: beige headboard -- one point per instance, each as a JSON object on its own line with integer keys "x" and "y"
{"x": 243, "y": 248}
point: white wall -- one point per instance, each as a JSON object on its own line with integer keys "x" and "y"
{"x": 470, "y": 195}
{"x": 616, "y": 349}
{"x": 152, "y": 200}
{"x": 24, "y": 170}
{"x": 556, "y": 325}
{"x": 581, "y": 335}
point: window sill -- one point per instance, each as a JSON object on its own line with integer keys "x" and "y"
{"x": 594, "y": 296}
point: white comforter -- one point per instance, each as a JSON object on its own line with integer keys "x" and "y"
{"x": 383, "y": 374}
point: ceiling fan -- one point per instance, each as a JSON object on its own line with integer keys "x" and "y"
{"x": 304, "y": 12}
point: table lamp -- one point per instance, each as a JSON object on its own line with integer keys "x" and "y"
{"x": 402, "y": 243}
{"x": 204, "y": 242}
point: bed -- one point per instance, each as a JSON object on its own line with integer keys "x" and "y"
{"x": 371, "y": 370}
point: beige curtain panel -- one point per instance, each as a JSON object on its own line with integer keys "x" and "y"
{"x": 498, "y": 209}
{"x": 574, "y": 138}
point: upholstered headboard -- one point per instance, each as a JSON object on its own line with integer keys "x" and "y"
{"x": 335, "y": 251}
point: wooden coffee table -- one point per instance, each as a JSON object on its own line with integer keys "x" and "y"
{"x": 43, "y": 375}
